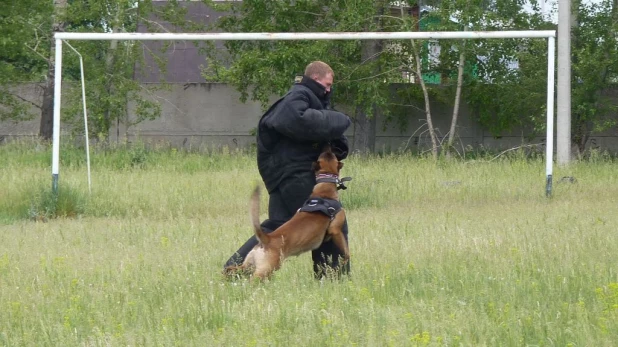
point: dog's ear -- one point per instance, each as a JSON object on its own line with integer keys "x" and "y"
{"x": 315, "y": 166}
{"x": 339, "y": 165}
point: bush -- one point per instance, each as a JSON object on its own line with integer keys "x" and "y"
{"x": 67, "y": 202}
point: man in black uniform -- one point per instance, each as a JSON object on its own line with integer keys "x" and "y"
{"x": 290, "y": 137}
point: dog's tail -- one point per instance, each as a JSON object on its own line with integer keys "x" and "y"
{"x": 255, "y": 217}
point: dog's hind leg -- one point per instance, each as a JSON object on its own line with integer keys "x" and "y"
{"x": 266, "y": 263}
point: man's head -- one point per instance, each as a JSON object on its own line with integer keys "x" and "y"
{"x": 321, "y": 73}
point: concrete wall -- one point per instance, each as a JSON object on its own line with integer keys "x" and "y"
{"x": 211, "y": 115}
{"x": 198, "y": 114}
{"x": 28, "y": 128}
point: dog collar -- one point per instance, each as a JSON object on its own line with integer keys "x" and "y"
{"x": 332, "y": 178}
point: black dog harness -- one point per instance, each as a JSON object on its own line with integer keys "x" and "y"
{"x": 329, "y": 207}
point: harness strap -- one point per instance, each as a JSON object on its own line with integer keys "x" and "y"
{"x": 329, "y": 207}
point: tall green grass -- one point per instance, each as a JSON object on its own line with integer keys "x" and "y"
{"x": 450, "y": 253}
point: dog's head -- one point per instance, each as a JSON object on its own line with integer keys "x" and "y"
{"x": 327, "y": 162}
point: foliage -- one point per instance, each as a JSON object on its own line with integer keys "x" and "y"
{"x": 502, "y": 98}
{"x": 110, "y": 66}
{"x": 594, "y": 51}
{"x": 488, "y": 68}
{"x": 516, "y": 98}
{"x": 20, "y": 23}
{"x": 263, "y": 68}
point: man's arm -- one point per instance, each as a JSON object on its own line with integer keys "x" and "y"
{"x": 294, "y": 119}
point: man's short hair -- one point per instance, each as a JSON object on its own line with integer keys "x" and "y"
{"x": 319, "y": 68}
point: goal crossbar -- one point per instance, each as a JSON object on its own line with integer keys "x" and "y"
{"x": 550, "y": 35}
{"x": 419, "y": 35}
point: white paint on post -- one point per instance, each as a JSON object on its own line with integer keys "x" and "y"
{"x": 549, "y": 156}
{"x": 563, "y": 114}
{"x": 56, "y": 127}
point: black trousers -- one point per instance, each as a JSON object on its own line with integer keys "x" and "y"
{"x": 283, "y": 203}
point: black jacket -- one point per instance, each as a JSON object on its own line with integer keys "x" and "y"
{"x": 292, "y": 133}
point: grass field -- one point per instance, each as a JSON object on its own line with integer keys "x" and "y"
{"x": 460, "y": 253}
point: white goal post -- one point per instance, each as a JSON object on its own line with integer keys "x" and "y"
{"x": 550, "y": 35}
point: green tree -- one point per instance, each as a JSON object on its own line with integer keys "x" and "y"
{"x": 261, "y": 69}
{"x": 47, "y": 109}
{"x": 517, "y": 98}
{"x": 20, "y": 23}
{"x": 461, "y": 65}
{"x": 110, "y": 66}
{"x": 594, "y": 69}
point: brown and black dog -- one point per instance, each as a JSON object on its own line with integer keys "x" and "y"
{"x": 306, "y": 231}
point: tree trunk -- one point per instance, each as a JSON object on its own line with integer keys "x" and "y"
{"x": 580, "y": 137}
{"x": 460, "y": 71}
{"x": 419, "y": 75}
{"x": 109, "y": 68}
{"x": 364, "y": 123}
{"x": 364, "y": 131}
{"x": 46, "y": 128}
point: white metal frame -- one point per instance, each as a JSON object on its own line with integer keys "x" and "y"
{"x": 86, "y": 136}
{"x": 550, "y": 35}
